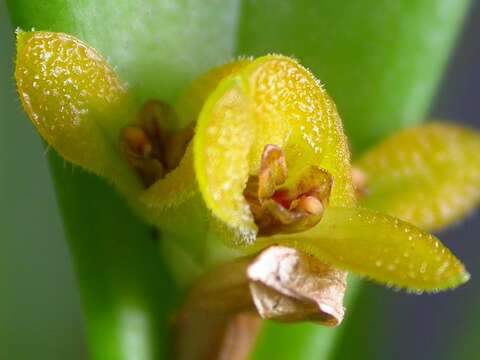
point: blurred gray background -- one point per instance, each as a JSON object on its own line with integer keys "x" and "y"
{"x": 39, "y": 305}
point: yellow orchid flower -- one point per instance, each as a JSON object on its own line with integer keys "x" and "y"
{"x": 428, "y": 175}
{"x": 254, "y": 155}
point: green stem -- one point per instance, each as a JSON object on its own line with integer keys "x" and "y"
{"x": 126, "y": 292}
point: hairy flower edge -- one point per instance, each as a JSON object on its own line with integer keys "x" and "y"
{"x": 270, "y": 100}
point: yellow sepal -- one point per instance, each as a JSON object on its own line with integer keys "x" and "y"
{"x": 428, "y": 175}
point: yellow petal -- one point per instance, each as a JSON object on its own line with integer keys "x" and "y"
{"x": 75, "y": 100}
{"x": 429, "y": 175}
{"x": 380, "y": 247}
{"x": 180, "y": 185}
{"x": 272, "y": 100}
{"x": 192, "y": 100}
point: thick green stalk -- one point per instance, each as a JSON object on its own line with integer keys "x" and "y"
{"x": 381, "y": 61}
{"x": 125, "y": 289}
{"x": 158, "y": 47}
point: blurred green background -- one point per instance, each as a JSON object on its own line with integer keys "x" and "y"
{"x": 39, "y": 305}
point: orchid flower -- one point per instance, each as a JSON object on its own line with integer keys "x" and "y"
{"x": 249, "y": 177}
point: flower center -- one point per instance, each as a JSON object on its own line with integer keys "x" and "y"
{"x": 149, "y": 147}
{"x": 278, "y": 208}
